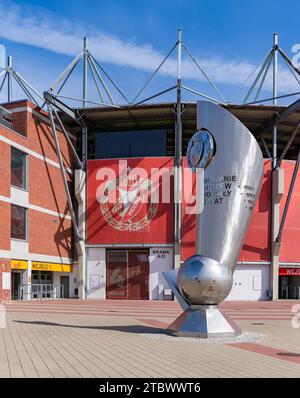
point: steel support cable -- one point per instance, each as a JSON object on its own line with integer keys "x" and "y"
{"x": 100, "y": 78}
{"x": 263, "y": 78}
{"x": 292, "y": 70}
{"x": 272, "y": 98}
{"x": 154, "y": 96}
{"x": 95, "y": 80}
{"x": 109, "y": 78}
{"x": 4, "y": 72}
{"x": 28, "y": 85}
{"x": 271, "y": 53}
{"x": 3, "y": 81}
{"x": 65, "y": 72}
{"x": 24, "y": 88}
{"x": 288, "y": 60}
{"x": 202, "y": 95}
{"x": 80, "y": 100}
{"x": 154, "y": 73}
{"x": 66, "y": 79}
{"x": 250, "y": 75}
{"x": 63, "y": 173}
{"x": 203, "y": 73}
{"x": 64, "y": 82}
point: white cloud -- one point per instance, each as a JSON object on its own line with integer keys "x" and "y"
{"x": 39, "y": 28}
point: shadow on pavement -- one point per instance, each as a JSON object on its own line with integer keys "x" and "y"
{"x": 137, "y": 329}
{"x": 288, "y": 354}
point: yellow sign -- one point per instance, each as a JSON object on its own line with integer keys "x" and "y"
{"x": 18, "y": 264}
{"x": 38, "y": 266}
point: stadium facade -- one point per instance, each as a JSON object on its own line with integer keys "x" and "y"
{"x": 59, "y": 238}
{"x": 126, "y": 254}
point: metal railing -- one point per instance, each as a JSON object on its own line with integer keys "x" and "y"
{"x": 290, "y": 292}
{"x": 40, "y": 291}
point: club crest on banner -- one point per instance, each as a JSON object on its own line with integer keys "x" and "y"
{"x": 130, "y": 205}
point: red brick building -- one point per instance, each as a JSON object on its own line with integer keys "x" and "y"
{"x": 35, "y": 228}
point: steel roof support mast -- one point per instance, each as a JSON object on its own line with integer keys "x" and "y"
{"x": 275, "y": 90}
{"x": 276, "y": 185}
{"x": 85, "y": 64}
{"x": 9, "y": 79}
{"x": 84, "y": 97}
{"x": 178, "y": 162}
{"x": 80, "y": 179}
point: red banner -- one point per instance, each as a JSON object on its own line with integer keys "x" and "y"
{"x": 130, "y": 201}
{"x": 131, "y": 221}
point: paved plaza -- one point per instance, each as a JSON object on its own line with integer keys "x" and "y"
{"x": 74, "y": 338}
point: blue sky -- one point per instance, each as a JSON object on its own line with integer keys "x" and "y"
{"x": 229, "y": 38}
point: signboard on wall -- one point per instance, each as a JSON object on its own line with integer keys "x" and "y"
{"x": 18, "y": 264}
{"x": 289, "y": 271}
{"x": 130, "y": 201}
{"x": 94, "y": 281}
{"x": 54, "y": 267}
{"x": 161, "y": 260}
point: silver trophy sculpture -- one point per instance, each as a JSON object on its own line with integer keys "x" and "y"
{"x": 232, "y": 163}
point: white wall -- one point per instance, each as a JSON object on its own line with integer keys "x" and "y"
{"x": 160, "y": 260}
{"x": 96, "y": 272}
{"x": 26, "y": 280}
{"x": 250, "y": 282}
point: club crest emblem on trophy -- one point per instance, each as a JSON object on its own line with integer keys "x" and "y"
{"x": 232, "y": 163}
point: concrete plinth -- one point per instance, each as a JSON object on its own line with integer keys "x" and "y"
{"x": 205, "y": 321}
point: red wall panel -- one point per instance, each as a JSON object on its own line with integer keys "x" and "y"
{"x": 160, "y": 230}
{"x": 290, "y": 248}
{"x": 256, "y": 243}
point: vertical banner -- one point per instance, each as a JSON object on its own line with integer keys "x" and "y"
{"x": 130, "y": 201}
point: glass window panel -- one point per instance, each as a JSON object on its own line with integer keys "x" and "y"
{"x": 18, "y": 222}
{"x": 126, "y": 144}
{"x": 18, "y": 169}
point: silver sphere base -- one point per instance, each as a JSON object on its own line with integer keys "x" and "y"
{"x": 204, "y": 321}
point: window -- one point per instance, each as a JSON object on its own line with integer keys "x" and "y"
{"x": 18, "y": 222}
{"x": 18, "y": 169}
{"x": 126, "y": 144}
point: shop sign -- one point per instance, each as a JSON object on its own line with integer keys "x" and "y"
{"x": 18, "y": 264}
{"x": 53, "y": 267}
{"x": 289, "y": 271}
